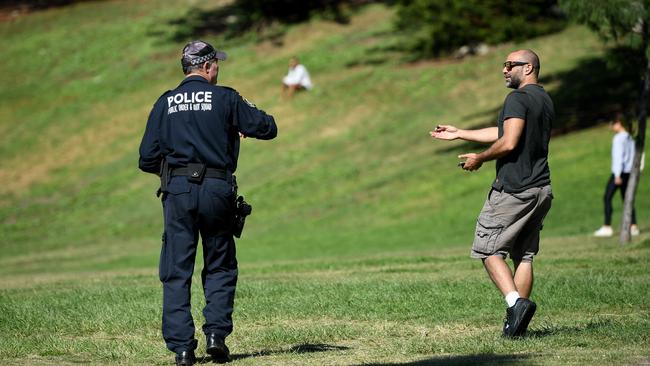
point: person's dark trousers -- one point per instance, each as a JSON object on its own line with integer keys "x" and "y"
{"x": 190, "y": 209}
{"x": 610, "y": 190}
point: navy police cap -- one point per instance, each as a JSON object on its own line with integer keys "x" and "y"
{"x": 198, "y": 52}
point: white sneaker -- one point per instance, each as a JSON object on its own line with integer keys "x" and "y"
{"x": 634, "y": 230}
{"x": 604, "y": 231}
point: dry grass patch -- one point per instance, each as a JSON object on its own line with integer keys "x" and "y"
{"x": 91, "y": 146}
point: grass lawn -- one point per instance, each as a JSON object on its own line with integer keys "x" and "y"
{"x": 429, "y": 307}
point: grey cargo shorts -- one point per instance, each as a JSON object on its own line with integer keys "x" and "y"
{"x": 509, "y": 223}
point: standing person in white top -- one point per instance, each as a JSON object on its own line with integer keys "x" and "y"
{"x": 297, "y": 78}
{"x": 622, "y": 157}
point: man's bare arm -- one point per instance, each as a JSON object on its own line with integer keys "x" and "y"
{"x": 448, "y": 132}
{"x": 512, "y": 130}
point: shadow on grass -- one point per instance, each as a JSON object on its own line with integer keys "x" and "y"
{"x": 300, "y": 348}
{"x": 595, "y": 90}
{"x": 476, "y": 360}
{"x": 463, "y": 147}
{"x": 549, "y": 331}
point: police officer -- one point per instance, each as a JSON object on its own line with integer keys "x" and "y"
{"x": 193, "y": 132}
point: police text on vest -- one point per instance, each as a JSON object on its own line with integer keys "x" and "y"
{"x": 194, "y": 101}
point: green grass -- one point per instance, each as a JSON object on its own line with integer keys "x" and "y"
{"x": 357, "y": 251}
{"x": 431, "y": 305}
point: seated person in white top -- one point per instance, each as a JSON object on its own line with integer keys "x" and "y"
{"x": 297, "y": 78}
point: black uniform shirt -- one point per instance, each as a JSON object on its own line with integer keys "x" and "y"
{"x": 200, "y": 123}
{"x": 527, "y": 165}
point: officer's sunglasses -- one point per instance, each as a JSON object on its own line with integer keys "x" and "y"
{"x": 510, "y": 64}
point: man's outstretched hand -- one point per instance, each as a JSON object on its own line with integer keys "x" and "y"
{"x": 445, "y": 132}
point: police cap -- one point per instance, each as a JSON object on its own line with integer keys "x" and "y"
{"x": 198, "y": 52}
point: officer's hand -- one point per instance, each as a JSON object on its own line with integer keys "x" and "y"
{"x": 242, "y": 135}
{"x": 472, "y": 162}
{"x": 444, "y": 132}
{"x": 618, "y": 181}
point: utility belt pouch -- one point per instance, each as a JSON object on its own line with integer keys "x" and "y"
{"x": 242, "y": 209}
{"x": 195, "y": 172}
{"x": 164, "y": 177}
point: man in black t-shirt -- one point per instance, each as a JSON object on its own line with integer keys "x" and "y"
{"x": 520, "y": 196}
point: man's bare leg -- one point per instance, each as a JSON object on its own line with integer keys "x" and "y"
{"x": 500, "y": 273}
{"x": 519, "y": 311}
{"x": 524, "y": 278}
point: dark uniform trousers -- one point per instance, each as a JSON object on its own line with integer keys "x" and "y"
{"x": 190, "y": 209}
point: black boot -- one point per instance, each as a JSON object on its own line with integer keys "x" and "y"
{"x": 185, "y": 358}
{"x": 216, "y": 347}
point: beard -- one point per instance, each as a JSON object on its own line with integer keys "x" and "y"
{"x": 514, "y": 81}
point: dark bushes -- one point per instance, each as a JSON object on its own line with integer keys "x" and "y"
{"x": 437, "y": 27}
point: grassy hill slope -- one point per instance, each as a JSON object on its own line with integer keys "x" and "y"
{"x": 353, "y": 162}
{"x": 353, "y": 173}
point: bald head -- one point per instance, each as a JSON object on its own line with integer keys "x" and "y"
{"x": 530, "y": 57}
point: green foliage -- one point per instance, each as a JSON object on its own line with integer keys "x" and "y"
{"x": 286, "y": 11}
{"x": 436, "y": 27}
{"x": 612, "y": 19}
{"x": 262, "y": 16}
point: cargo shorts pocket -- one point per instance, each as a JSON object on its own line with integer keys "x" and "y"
{"x": 486, "y": 236}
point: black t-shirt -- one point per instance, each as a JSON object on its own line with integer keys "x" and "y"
{"x": 527, "y": 165}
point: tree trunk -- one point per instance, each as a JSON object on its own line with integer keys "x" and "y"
{"x": 639, "y": 144}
